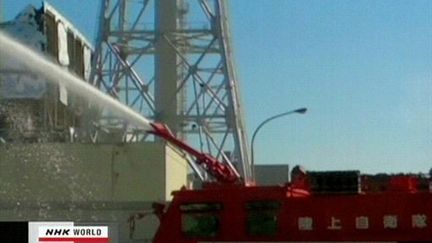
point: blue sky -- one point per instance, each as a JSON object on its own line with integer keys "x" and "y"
{"x": 363, "y": 69}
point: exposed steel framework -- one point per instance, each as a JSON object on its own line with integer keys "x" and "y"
{"x": 172, "y": 62}
{"x": 31, "y": 110}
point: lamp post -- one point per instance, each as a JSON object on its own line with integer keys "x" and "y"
{"x": 299, "y": 111}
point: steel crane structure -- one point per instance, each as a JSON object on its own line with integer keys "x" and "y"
{"x": 172, "y": 61}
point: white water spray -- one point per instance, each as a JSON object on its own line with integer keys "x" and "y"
{"x": 12, "y": 50}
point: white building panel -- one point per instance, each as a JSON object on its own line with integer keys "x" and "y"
{"x": 63, "y": 55}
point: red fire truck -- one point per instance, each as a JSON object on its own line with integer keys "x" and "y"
{"x": 335, "y": 206}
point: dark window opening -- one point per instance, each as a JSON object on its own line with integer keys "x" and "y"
{"x": 200, "y": 220}
{"x": 71, "y": 50}
{"x": 79, "y": 58}
{"x": 262, "y": 218}
{"x": 52, "y": 35}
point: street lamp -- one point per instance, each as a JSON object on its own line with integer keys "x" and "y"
{"x": 299, "y": 111}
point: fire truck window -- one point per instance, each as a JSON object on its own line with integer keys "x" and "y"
{"x": 200, "y": 220}
{"x": 262, "y": 218}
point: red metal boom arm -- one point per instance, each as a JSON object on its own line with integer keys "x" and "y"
{"x": 220, "y": 171}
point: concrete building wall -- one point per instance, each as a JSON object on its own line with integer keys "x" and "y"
{"x": 176, "y": 170}
{"x": 270, "y": 175}
{"x": 103, "y": 183}
{"x": 82, "y": 172}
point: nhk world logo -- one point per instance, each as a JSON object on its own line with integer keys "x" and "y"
{"x": 74, "y": 234}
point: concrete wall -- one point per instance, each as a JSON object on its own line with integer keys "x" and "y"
{"x": 175, "y": 171}
{"x": 88, "y": 182}
{"x": 270, "y": 175}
